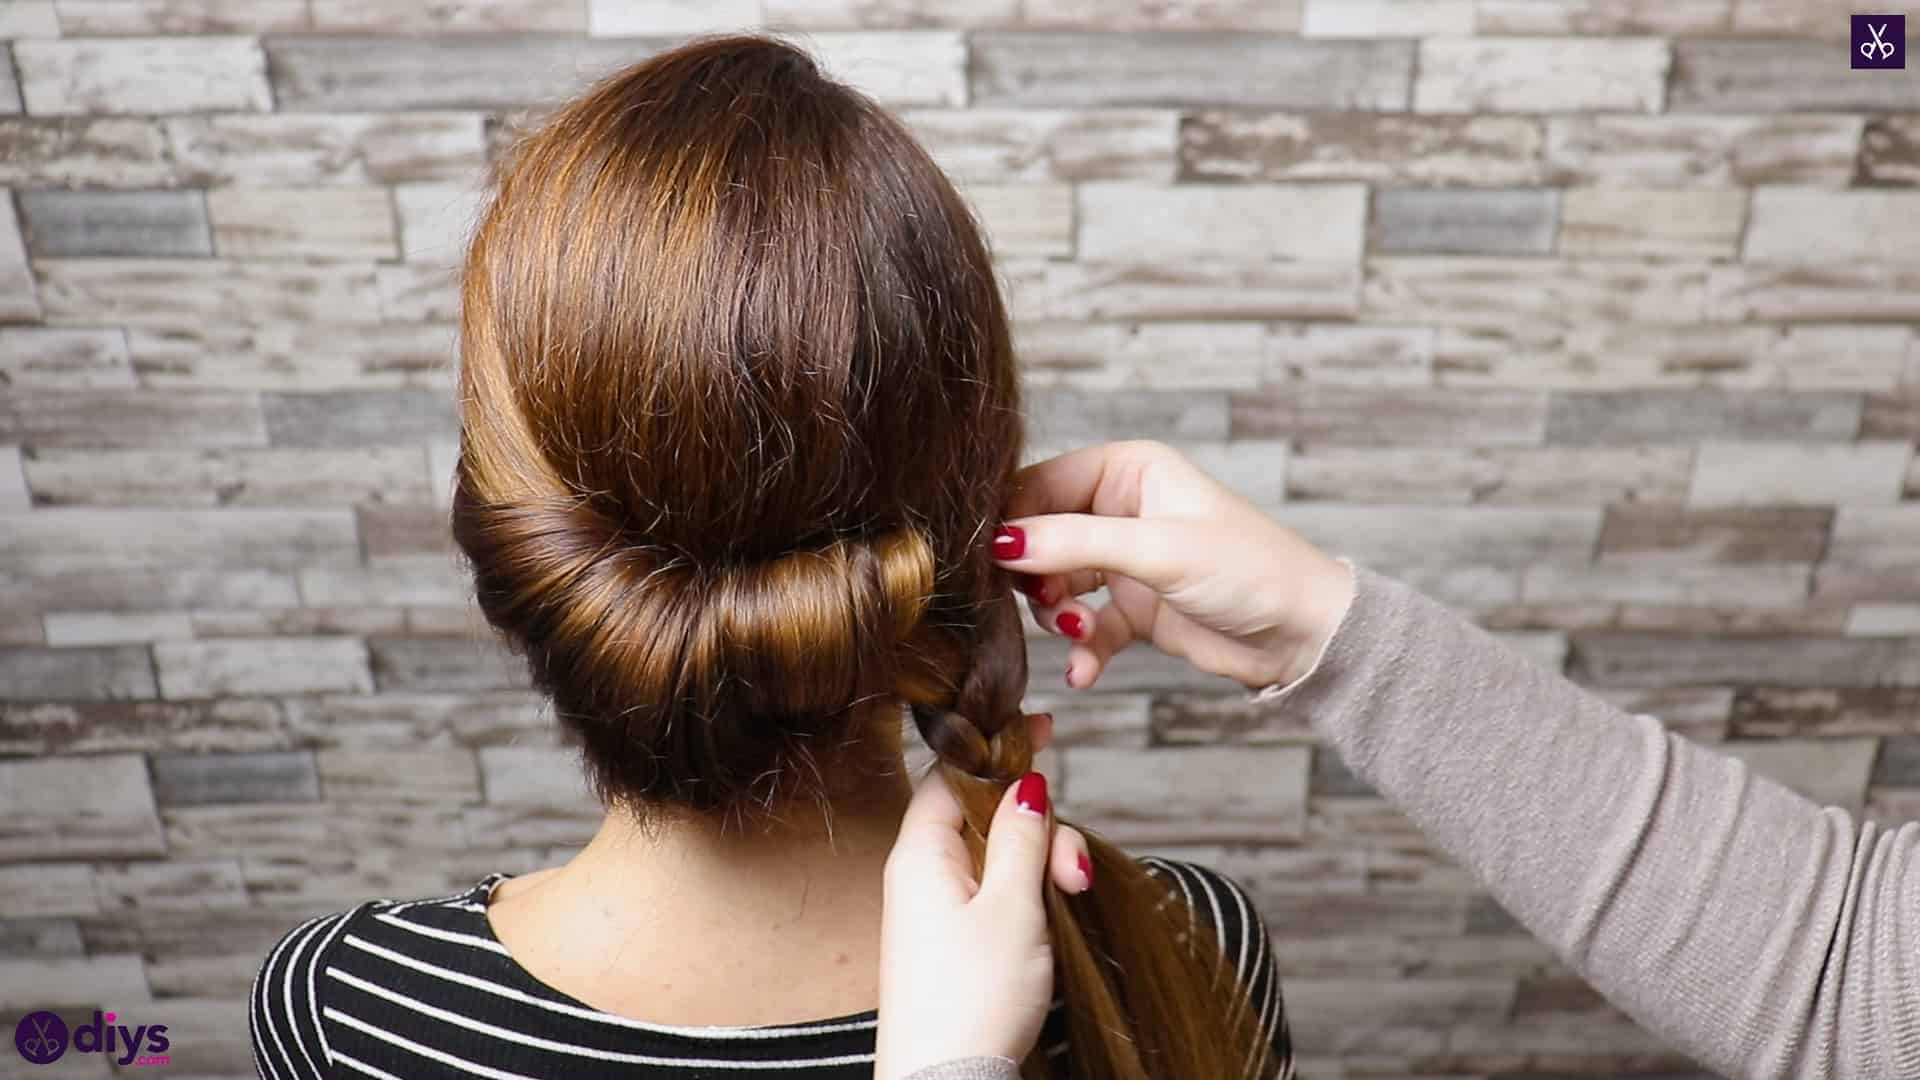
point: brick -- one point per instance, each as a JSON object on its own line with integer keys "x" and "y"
{"x": 1188, "y": 289}
{"x": 1876, "y": 536}
{"x": 1540, "y": 75}
{"x": 1311, "y": 222}
{"x": 348, "y": 73}
{"x": 345, "y": 223}
{"x": 1706, "y": 151}
{"x": 1352, "y": 1016}
{"x": 1891, "y": 416}
{"x": 1189, "y": 69}
{"x": 406, "y": 530}
{"x": 1428, "y": 536}
{"x": 1814, "y": 290}
{"x": 420, "y": 721}
{"x": 175, "y": 885}
{"x": 1603, "y": 16}
{"x": 374, "y": 16}
{"x": 1112, "y": 356}
{"x": 1198, "y": 794}
{"x": 535, "y": 776}
{"x": 1750, "y": 474}
{"x": 1630, "y": 659}
{"x": 143, "y": 75}
{"x": 79, "y": 673}
{"x": 1800, "y": 223}
{"x": 1463, "y": 221}
{"x": 1387, "y": 18}
{"x": 1187, "y": 15}
{"x": 105, "y": 588}
{"x": 176, "y": 292}
{"x": 1692, "y": 415}
{"x": 124, "y": 17}
{"x": 1832, "y": 772}
{"x": 113, "y": 417}
{"x": 202, "y": 779}
{"x": 13, "y": 489}
{"x": 434, "y": 776}
{"x": 1604, "y": 221}
{"x": 115, "y": 222}
{"x": 1776, "y": 712}
{"x": 29, "y": 19}
{"x": 1389, "y": 416}
{"x": 1039, "y": 145}
{"x": 1883, "y": 620}
{"x": 1767, "y": 585}
{"x": 1257, "y": 469}
{"x": 1499, "y": 291}
{"x": 338, "y": 586}
{"x": 295, "y": 356}
{"x": 1025, "y": 219}
{"x": 1890, "y": 151}
{"x": 280, "y": 477}
{"x": 35, "y": 982}
{"x": 418, "y": 292}
{"x": 1899, "y": 762}
{"x": 190, "y": 669}
{"x": 100, "y": 152}
{"x": 445, "y": 664}
{"x": 1349, "y": 355}
{"x": 347, "y": 418}
{"x": 1062, "y": 416}
{"x": 1381, "y": 148}
{"x": 59, "y": 540}
{"x": 76, "y": 358}
{"x": 1700, "y": 713}
{"x": 114, "y": 628}
{"x": 1635, "y": 356}
{"x": 1730, "y": 536}
{"x": 10, "y": 102}
{"x": 1729, "y": 75}
{"x": 47, "y": 889}
{"x": 97, "y": 806}
{"x": 1447, "y": 475}
{"x": 619, "y": 18}
{"x": 18, "y": 298}
{"x": 300, "y": 150}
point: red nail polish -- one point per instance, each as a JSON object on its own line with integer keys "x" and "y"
{"x": 1086, "y": 869}
{"x": 1009, "y": 542}
{"x": 1031, "y": 795}
{"x": 1070, "y": 625}
{"x": 1035, "y": 586}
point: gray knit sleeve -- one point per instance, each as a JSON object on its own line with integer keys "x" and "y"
{"x": 970, "y": 1068}
{"x": 1763, "y": 934}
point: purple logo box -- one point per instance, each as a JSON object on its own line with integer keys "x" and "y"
{"x": 1880, "y": 41}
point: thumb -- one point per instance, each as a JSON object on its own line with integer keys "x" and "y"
{"x": 1019, "y": 840}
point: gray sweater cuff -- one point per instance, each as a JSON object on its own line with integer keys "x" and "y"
{"x": 970, "y": 1068}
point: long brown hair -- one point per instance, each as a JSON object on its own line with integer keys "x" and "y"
{"x": 739, "y": 407}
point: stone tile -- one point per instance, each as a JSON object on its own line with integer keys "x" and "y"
{"x": 418, "y": 292}
{"x": 1603, "y": 16}
{"x": 1094, "y": 718}
{"x": 1876, "y": 536}
{"x": 404, "y": 531}
{"x": 1730, "y": 75}
{"x": 1500, "y": 291}
{"x": 445, "y": 664}
{"x": 1311, "y": 222}
{"x": 1380, "y": 148}
{"x": 436, "y": 220}
{"x": 1883, "y": 620}
{"x": 9, "y": 86}
{"x": 1541, "y": 75}
{"x": 1664, "y": 416}
{"x": 143, "y": 75}
{"x": 1197, "y": 794}
{"x": 417, "y": 721}
{"x": 190, "y": 669}
{"x": 1187, "y": 69}
{"x": 1716, "y": 537}
{"x": 79, "y": 673}
{"x": 1112, "y": 356}
{"x": 1024, "y": 219}
{"x": 64, "y": 358}
{"x": 1899, "y": 763}
{"x": 1462, "y": 221}
{"x": 13, "y": 481}
{"x": 91, "y": 727}
{"x": 37, "y": 982}
{"x": 1701, "y": 713}
{"x": 907, "y": 67}
{"x": 18, "y": 294}
{"x": 202, "y": 779}
{"x": 174, "y": 885}
{"x": 1032, "y": 146}
{"x": 1062, "y": 416}
{"x": 1612, "y": 221}
{"x": 1758, "y": 474}
{"x": 59, "y": 540}
{"x": 226, "y": 478}
{"x": 110, "y": 588}
{"x": 614, "y": 18}
{"x": 114, "y": 628}
{"x": 1387, "y": 18}
{"x": 101, "y": 152}
{"x": 1184, "y": 15}
{"x": 299, "y": 622}
{"x": 353, "y": 73}
{"x": 1356, "y": 1016}
{"x": 534, "y": 776}
{"x": 1806, "y": 223}
{"x": 47, "y": 889}
{"x": 1890, "y": 151}
{"x": 441, "y": 777}
{"x": 1188, "y": 289}
{"x": 1428, "y": 536}
{"x": 300, "y": 150}
{"x": 1777, "y": 712}
{"x": 125, "y": 17}
{"x": 1665, "y": 582}
{"x": 1319, "y": 414}
{"x": 70, "y": 807}
{"x": 374, "y": 16}
{"x": 1140, "y": 670}
{"x": 115, "y": 222}
{"x": 1348, "y": 355}
{"x": 29, "y": 19}
{"x": 341, "y": 223}
{"x": 349, "y": 418}
{"x": 1448, "y": 475}
{"x": 1625, "y": 356}
{"x": 1701, "y": 151}
{"x": 439, "y": 583}
{"x": 187, "y": 292}
{"x": 115, "y": 417}
{"x": 1632, "y": 659}
{"x": 1832, "y": 772}
{"x": 296, "y": 356}
{"x": 1891, "y": 416}
{"x": 1813, "y": 291}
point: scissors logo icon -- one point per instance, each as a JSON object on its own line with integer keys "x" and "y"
{"x": 1878, "y": 48}
{"x": 41, "y": 1037}
{"x": 1879, "y": 41}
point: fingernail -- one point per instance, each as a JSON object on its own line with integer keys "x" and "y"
{"x": 1070, "y": 625}
{"x": 1031, "y": 795}
{"x": 1009, "y": 542}
{"x": 1035, "y": 586}
{"x": 1086, "y": 869}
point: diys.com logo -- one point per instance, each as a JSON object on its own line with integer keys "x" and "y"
{"x": 42, "y": 1038}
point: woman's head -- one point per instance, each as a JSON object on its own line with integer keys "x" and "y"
{"x": 738, "y": 410}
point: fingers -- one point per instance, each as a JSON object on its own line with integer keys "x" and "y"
{"x": 1039, "y": 730}
{"x": 1020, "y": 840}
{"x": 1065, "y": 483}
{"x": 1144, "y": 549}
{"x": 1069, "y": 864}
{"x": 1090, "y": 653}
{"x": 929, "y": 854}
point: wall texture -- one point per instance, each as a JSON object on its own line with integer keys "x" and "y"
{"x": 1594, "y": 318}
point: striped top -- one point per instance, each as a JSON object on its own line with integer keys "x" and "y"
{"x": 423, "y": 988}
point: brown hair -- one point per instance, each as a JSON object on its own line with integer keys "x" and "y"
{"x": 739, "y": 408}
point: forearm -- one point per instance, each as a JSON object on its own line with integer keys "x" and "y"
{"x": 1748, "y": 926}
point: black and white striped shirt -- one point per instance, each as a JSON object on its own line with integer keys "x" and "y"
{"x": 423, "y": 988}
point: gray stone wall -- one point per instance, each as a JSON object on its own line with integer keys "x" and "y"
{"x": 1595, "y": 319}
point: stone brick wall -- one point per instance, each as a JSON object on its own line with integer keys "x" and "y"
{"x": 1593, "y": 318}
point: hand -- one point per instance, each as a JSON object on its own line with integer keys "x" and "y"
{"x": 966, "y": 965}
{"x": 1191, "y": 566}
